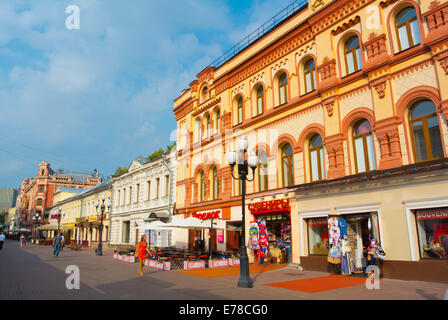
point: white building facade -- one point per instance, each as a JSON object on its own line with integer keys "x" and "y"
{"x": 145, "y": 193}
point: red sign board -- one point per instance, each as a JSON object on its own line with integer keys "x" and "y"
{"x": 205, "y": 215}
{"x": 269, "y": 206}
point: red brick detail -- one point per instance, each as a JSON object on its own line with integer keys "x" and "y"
{"x": 376, "y": 51}
{"x": 437, "y": 18}
{"x": 387, "y": 133}
{"x": 335, "y": 152}
{"x": 327, "y": 74}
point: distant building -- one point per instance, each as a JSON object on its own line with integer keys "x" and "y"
{"x": 144, "y": 193}
{"x": 37, "y": 194}
{"x": 7, "y": 199}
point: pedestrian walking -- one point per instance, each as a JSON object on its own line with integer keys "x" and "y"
{"x": 140, "y": 253}
{"x": 2, "y": 239}
{"x": 22, "y": 240}
{"x": 57, "y": 243}
{"x": 63, "y": 242}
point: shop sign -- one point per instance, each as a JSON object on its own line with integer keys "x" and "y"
{"x": 266, "y": 206}
{"x": 191, "y": 265}
{"x": 441, "y": 213}
{"x": 317, "y": 221}
{"x": 92, "y": 218}
{"x": 205, "y": 215}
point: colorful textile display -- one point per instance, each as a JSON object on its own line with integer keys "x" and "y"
{"x": 263, "y": 241}
{"x": 334, "y": 254}
{"x": 253, "y": 236}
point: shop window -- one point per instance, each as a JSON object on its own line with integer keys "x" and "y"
{"x": 310, "y": 76}
{"x": 432, "y": 227}
{"x": 427, "y": 143}
{"x": 260, "y": 100}
{"x": 318, "y": 236}
{"x": 287, "y": 166}
{"x": 283, "y": 88}
{"x": 363, "y": 145}
{"x": 406, "y": 26}
{"x": 317, "y": 158}
{"x": 352, "y": 50}
{"x": 262, "y": 170}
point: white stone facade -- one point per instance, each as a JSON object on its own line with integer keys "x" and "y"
{"x": 147, "y": 188}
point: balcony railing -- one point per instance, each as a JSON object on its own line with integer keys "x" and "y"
{"x": 269, "y": 25}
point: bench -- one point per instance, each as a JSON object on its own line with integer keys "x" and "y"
{"x": 75, "y": 246}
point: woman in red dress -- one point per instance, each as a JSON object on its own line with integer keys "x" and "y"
{"x": 140, "y": 253}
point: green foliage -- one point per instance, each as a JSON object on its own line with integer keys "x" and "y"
{"x": 170, "y": 147}
{"x": 155, "y": 154}
{"x": 120, "y": 170}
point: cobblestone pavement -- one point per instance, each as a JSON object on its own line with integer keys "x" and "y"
{"x": 33, "y": 273}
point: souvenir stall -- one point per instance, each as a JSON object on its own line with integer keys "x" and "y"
{"x": 270, "y": 234}
{"x": 353, "y": 244}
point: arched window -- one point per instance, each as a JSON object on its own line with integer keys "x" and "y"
{"x": 197, "y": 130}
{"x": 240, "y": 109}
{"x": 39, "y": 202}
{"x": 262, "y": 170}
{"x": 204, "y": 93}
{"x": 201, "y": 186}
{"x": 215, "y": 183}
{"x": 217, "y": 120}
{"x": 283, "y": 88}
{"x": 363, "y": 144}
{"x": 287, "y": 166}
{"x": 352, "y": 50}
{"x": 260, "y": 100}
{"x": 317, "y": 158}
{"x": 427, "y": 143}
{"x": 406, "y": 26}
{"x": 207, "y": 125}
{"x": 310, "y": 76}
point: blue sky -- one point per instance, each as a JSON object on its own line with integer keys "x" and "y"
{"x": 100, "y": 96}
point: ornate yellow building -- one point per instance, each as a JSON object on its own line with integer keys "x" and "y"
{"x": 346, "y": 105}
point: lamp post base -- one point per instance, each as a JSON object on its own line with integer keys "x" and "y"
{"x": 244, "y": 281}
{"x": 99, "y": 251}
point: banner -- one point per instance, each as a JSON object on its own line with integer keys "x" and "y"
{"x": 191, "y": 265}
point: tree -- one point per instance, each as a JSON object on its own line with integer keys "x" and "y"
{"x": 120, "y": 170}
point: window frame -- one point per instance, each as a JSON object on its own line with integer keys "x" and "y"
{"x": 240, "y": 105}
{"x": 260, "y": 97}
{"x": 282, "y": 86}
{"x": 320, "y": 162}
{"x": 313, "y": 76}
{"x": 290, "y": 166}
{"x": 407, "y": 23}
{"x": 265, "y": 177}
{"x": 424, "y": 120}
{"x": 354, "y": 55}
{"x": 364, "y": 145}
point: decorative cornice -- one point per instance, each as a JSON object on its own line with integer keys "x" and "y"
{"x": 346, "y": 25}
{"x": 206, "y": 106}
{"x": 385, "y": 4}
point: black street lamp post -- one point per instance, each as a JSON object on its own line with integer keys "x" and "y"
{"x": 36, "y": 219}
{"x": 99, "y": 250}
{"x": 243, "y": 171}
{"x": 59, "y": 217}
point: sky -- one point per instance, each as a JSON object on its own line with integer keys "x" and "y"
{"x": 102, "y": 95}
